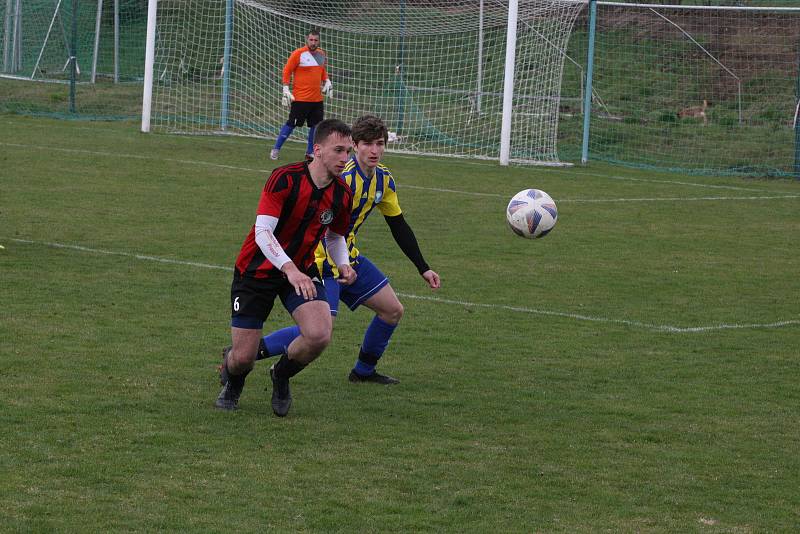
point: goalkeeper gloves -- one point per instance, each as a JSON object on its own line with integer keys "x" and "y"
{"x": 287, "y": 97}
{"x": 327, "y": 88}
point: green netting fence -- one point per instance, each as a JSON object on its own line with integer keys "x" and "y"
{"x": 693, "y": 89}
{"x": 109, "y": 44}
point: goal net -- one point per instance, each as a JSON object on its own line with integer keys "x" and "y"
{"x": 432, "y": 69}
{"x": 36, "y": 42}
{"x": 696, "y": 88}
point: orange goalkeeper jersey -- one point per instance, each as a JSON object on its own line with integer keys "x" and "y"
{"x": 309, "y": 72}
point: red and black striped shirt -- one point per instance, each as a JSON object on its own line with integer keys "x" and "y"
{"x": 304, "y": 213}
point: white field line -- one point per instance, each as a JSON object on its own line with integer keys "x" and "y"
{"x": 137, "y": 156}
{"x": 580, "y": 317}
{"x": 671, "y": 329}
{"x": 237, "y": 139}
{"x": 602, "y": 200}
{"x": 673, "y": 199}
{"x": 667, "y": 182}
{"x": 437, "y": 189}
{"x": 125, "y": 254}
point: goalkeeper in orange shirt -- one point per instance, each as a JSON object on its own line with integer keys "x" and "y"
{"x": 306, "y": 66}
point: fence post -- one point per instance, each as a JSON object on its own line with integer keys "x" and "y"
{"x": 73, "y": 71}
{"x": 587, "y": 97}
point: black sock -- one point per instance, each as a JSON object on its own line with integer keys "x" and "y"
{"x": 286, "y": 368}
{"x": 236, "y": 380}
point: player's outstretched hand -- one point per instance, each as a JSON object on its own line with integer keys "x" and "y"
{"x": 302, "y": 284}
{"x": 347, "y": 275}
{"x": 432, "y": 278}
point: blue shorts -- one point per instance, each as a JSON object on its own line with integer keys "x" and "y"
{"x": 252, "y": 299}
{"x": 370, "y": 280}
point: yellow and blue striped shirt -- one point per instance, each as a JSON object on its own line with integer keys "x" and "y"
{"x": 368, "y": 192}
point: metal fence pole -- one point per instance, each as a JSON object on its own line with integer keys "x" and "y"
{"x": 587, "y": 97}
{"x": 73, "y": 70}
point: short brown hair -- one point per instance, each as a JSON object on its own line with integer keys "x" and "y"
{"x": 370, "y": 128}
{"x": 328, "y": 127}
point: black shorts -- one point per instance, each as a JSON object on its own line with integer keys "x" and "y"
{"x": 252, "y": 299}
{"x": 309, "y": 112}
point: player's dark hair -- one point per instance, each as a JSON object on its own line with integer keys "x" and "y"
{"x": 369, "y": 128}
{"x": 328, "y": 127}
{"x": 313, "y": 31}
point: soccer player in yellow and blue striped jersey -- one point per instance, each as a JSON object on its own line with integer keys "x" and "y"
{"x": 373, "y": 186}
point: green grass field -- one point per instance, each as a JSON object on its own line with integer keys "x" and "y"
{"x": 636, "y": 370}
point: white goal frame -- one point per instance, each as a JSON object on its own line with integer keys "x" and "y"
{"x": 506, "y": 135}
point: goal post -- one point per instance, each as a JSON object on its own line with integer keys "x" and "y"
{"x": 149, "y": 58}
{"x": 797, "y": 120}
{"x": 508, "y": 82}
{"x": 433, "y": 70}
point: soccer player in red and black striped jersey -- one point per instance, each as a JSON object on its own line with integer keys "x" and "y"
{"x": 373, "y": 186}
{"x": 300, "y": 204}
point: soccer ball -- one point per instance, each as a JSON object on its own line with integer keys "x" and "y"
{"x": 531, "y": 213}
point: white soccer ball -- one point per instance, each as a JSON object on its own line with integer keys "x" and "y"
{"x": 531, "y": 213}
